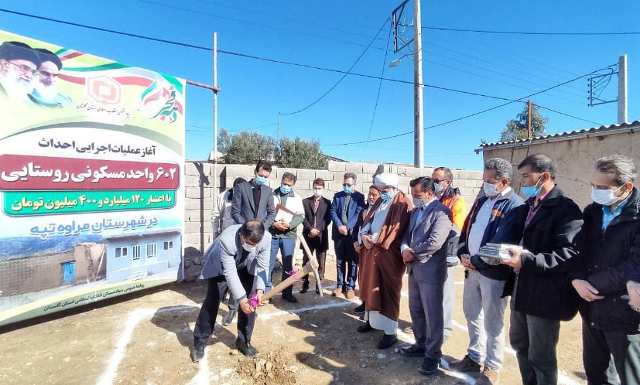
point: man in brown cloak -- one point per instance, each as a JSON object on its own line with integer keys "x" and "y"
{"x": 383, "y": 268}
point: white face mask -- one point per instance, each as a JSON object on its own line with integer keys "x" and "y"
{"x": 489, "y": 189}
{"x": 248, "y": 248}
{"x": 439, "y": 189}
{"x": 317, "y": 192}
{"x": 418, "y": 203}
{"x": 604, "y": 197}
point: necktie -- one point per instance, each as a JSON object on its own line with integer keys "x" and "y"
{"x": 345, "y": 209}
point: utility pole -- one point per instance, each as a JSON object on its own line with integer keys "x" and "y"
{"x": 418, "y": 124}
{"x": 214, "y": 61}
{"x": 529, "y": 131}
{"x": 622, "y": 90}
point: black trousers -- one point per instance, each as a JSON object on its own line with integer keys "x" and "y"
{"x": 534, "y": 339}
{"x": 598, "y": 349}
{"x": 321, "y": 256}
{"x": 346, "y": 263}
{"x": 209, "y": 311}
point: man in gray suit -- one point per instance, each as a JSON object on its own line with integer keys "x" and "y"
{"x": 424, "y": 251}
{"x": 237, "y": 259}
{"x": 254, "y": 199}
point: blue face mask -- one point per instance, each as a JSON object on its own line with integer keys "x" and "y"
{"x": 530, "y": 191}
{"x": 262, "y": 180}
{"x": 348, "y": 189}
{"x": 387, "y": 196}
{"x": 284, "y": 189}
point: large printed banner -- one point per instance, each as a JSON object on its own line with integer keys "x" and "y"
{"x": 91, "y": 191}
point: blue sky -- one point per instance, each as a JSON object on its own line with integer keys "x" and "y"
{"x": 333, "y": 33}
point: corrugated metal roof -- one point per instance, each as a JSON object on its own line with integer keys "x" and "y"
{"x": 586, "y": 131}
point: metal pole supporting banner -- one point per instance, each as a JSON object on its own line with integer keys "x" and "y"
{"x": 214, "y": 52}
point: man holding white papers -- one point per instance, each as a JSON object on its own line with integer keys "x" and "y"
{"x": 289, "y": 215}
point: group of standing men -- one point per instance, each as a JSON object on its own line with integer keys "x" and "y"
{"x": 561, "y": 260}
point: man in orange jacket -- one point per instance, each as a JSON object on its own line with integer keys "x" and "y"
{"x": 450, "y": 197}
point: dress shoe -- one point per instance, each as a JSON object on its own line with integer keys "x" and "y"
{"x": 246, "y": 348}
{"x": 289, "y": 298}
{"x": 360, "y": 309}
{"x": 413, "y": 351}
{"x": 229, "y": 317}
{"x": 387, "y": 341}
{"x": 429, "y": 367}
{"x": 337, "y": 293}
{"x": 198, "y": 351}
{"x": 488, "y": 377}
{"x": 466, "y": 365}
{"x": 365, "y": 328}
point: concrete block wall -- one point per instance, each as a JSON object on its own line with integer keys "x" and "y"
{"x": 200, "y": 195}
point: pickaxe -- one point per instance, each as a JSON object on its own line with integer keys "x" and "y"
{"x": 311, "y": 267}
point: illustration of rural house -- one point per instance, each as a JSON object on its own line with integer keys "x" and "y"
{"x": 84, "y": 263}
{"x": 131, "y": 256}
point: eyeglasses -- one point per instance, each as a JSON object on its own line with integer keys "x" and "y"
{"x": 24, "y": 69}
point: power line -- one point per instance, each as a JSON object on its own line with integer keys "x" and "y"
{"x": 293, "y": 20}
{"x": 249, "y": 56}
{"x": 375, "y": 106}
{"x": 86, "y": 26}
{"x": 518, "y": 62}
{"x": 481, "y": 45}
{"x": 498, "y": 74}
{"x": 510, "y": 101}
{"x": 321, "y": 68}
{"x": 356, "y": 74}
{"x": 542, "y": 33}
{"x": 568, "y": 115}
{"x": 344, "y": 76}
{"x": 252, "y": 23}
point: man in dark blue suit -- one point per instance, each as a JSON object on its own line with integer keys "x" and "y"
{"x": 345, "y": 210}
{"x": 254, "y": 199}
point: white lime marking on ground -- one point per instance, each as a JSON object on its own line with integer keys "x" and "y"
{"x": 111, "y": 370}
{"x": 304, "y": 309}
{"x": 563, "y": 379}
{"x": 202, "y": 377}
{"x": 444, "y": 364}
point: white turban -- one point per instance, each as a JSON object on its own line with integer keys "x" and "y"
{"x": 386, "y": 180}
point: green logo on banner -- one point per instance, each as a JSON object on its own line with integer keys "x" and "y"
{"x": 26, "y": 203}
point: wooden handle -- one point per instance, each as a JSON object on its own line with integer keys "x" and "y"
{"x": 313, "y": 262}
{"x": 279, "y": 288}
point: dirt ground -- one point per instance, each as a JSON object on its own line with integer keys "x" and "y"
{"x": 145, "y": 339}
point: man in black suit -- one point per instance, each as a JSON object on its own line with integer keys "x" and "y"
{"x": 254, "y": 199}
{"x": 316, "y": 229}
